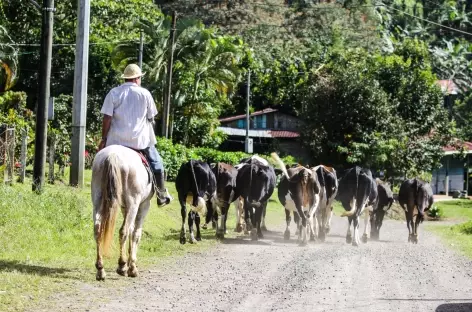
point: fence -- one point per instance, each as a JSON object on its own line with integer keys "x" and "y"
{"x": 7, "y": 154}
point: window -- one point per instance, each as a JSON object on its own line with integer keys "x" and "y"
{"x": 260, "y": 122}
{"x": 241, "y": 123}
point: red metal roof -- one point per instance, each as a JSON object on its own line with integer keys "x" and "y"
{"x": 448, "y": 86}
{"x": 467, "y": 145}
{"x": 284, "y": 134}
{"x": 261, "y": 112}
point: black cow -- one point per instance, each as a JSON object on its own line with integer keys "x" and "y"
{"x": 383, "y": 204}
{"x": 255, "y": 183}
{"x": 225, "y": 194}
{"x": 415, "y": 195}
{"x": 328, "y": 189}
{"x": 195, "y": 184}
{"x": 357, "y": 190}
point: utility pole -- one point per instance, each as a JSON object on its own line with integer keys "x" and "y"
{"x": 140, "y": 58}
{"x": 248, "y": 141}
{"x": 43, "y": 100}
{"x": 166, "y": 113}
{"x": 79, "y": 107}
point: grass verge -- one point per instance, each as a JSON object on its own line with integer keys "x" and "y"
{"x": 458, "y": 236}
{"x": 47, "y": 245}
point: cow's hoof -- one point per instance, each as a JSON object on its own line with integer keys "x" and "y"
{"x": 133, "y": 272}
{"x": 264, "y": 228}
{"x": 364, "y": 238}
{"x": 303, "y": 243}
{"x": 409, "y": 238}
{"x": 183, "y": 240}
{"x": 287, "y": 235}
{"x": 100, "y": 275}
{"x": 199, "y": 239}
{"x": 312, "y": 237}
{"x": 238, "y": 228}
{"x": 322, "y": 237}
{"x": 254, "y": 234}
{"x": 213, "y": 225}
{"x": 297, "y": 232}
{"x": 355, "y": 244}
{"x": 205, "y": 226}
{"x": 248, "y": 227}
{"x": 122, "y": 271}
{"x": 348, "y": 239}
{"x": 259, "y": 235}
{"x": 327, "y": 229}
{"x": 414, "y": 239}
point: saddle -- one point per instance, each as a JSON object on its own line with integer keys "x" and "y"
{"x": 146, "y": 165}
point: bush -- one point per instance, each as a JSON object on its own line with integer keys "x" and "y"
{"x": 435, "y": 212}
{"x": 174, "y": 155}
{"x": 466, "y": 228}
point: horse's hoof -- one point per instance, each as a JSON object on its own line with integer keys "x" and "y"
{"x": 287, "y": 235}
{"x": 254, "y": 234}
{"x": 132, "y": 272}
{"x": 264, "y": 228}
{"x": 348, "y": 239}
{"x": 364, "y": 238}
{"x": 121, "y": 271}
{"x": 220, "y": 235}
{"x": 239, "y": 228}
{"x": 100, "y": 275}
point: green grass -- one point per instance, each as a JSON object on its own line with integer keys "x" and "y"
{"x": 47, "y": 245}
{"x": 456, "y": 209}
{"x": 458, "y": 236}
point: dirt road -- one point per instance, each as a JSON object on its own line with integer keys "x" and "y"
{"x": 276, "y": 275}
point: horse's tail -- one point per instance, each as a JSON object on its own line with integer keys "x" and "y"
{"x": 111, "y": 200}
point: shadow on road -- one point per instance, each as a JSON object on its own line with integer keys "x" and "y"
{"x": 455, "y": 307}
{"x": 16, "y": 266}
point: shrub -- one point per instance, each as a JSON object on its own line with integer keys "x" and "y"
{"x": 435, "y": 212}
{"x": 174, "y": 155}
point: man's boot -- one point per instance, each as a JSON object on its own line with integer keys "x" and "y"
{"x": 163, "y": 198}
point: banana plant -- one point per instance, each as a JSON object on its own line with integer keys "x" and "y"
{"x": 8, "y": 61}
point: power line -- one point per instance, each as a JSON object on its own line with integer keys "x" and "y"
{"x": 431, "y": 22}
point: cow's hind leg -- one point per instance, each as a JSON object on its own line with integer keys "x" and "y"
{"x": 136, "y": 237}
{"x": 197, "y": 225}
{"x": 409, "y": 223}
{"x": 366, "y": 225}
{"x": 258, "y": 215}
{"x": 288, "y": 219}
{"x": 355, "y": 225}
{"x": 296, "y": 220}
{"x": 348, "y": 234}
{"x": 263, "y": 225}
{"x": 183, "y": 212}
{"x": 191, "y": 219}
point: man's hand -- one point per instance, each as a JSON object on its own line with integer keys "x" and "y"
{"x": 102, "y": 144}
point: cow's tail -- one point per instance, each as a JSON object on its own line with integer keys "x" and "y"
{"x": 351, "y": 212}
{"x": 112, "y": 191}
{"x": 280, "y": 163}
{"x": 323, "y": 184}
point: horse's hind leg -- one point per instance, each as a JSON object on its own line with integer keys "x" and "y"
{"x": 136, "y": 237}
{"x": 96, "y": 230}
{"x": 125, "y": 231}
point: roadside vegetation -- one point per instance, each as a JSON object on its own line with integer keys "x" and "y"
{"x": 458, "y": 233}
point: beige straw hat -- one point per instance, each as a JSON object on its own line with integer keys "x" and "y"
{"x": 132, "y": 71}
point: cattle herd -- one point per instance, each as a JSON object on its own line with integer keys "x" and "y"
{"x": 306, "y": 193}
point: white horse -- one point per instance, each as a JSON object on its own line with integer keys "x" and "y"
{"x": 119, "y": 180}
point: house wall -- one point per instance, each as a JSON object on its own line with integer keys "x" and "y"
{"x": 456, "y": 171}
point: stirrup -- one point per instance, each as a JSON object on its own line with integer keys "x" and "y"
{"x": 165, "y": 199}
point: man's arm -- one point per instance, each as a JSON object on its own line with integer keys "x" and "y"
{"x": 106, "y": 123}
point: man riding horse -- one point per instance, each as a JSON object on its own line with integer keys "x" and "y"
{"x": 128, "y": 117}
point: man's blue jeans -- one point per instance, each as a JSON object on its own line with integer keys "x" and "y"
{"x": 155, "y": 160}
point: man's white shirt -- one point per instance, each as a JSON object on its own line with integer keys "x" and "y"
{"x": 130, "y": 106}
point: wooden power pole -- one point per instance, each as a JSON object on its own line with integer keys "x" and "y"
{"x": 44, "y": 92}
{"x": 79, "y": 108}
{"x": 168, "y": 93}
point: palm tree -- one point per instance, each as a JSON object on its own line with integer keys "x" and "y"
{"x": 8, "y": 61}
